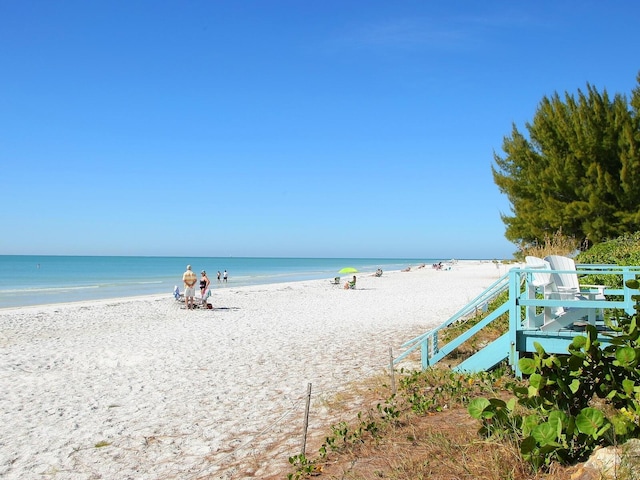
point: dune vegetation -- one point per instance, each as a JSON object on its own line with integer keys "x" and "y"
{"x": 439, "y": 424}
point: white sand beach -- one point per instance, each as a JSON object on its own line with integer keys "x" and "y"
{"x": 142, "y": 388}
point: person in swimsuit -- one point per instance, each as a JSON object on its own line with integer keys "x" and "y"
{"x": 351, "y": 284}
{"x": 204, "y": 283}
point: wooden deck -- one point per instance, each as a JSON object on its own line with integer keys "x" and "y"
{"x": 535, "y": 315}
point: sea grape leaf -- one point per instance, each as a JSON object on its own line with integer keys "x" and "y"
{"x": 527, "y": 365}
{"x": 477, "y": 408}
{"x": 589, "y": 420}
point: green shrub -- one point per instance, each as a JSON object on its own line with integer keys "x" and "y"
{"x": 624, "y": 250}
{"x": 574, "y": 402}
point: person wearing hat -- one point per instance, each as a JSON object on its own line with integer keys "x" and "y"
{"x": 189, "y": 279}
{"x": 204, "y": 283}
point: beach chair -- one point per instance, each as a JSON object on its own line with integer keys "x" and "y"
{"x": 566, "y": 281}
{"x": 541, "y": 282}
{"x": 177, "y": 295}
{"x": 567, "y": 287}
{"x": 336, "y": 281}
{"x": 541, "y": 279}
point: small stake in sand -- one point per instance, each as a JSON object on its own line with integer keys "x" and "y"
{"x": 306, "y": 420}
{"x": 393, "y": 372}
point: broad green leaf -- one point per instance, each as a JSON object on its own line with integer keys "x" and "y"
{"x": 589, "y": 420}
{"x": 527, "y": 445}
{"x": 633, "y": 284}
{"x": 520, "y": 391}
{"x": 562, "y": 385}
{"x": 574, "y": 386}
{"x": 556, "y": 420}
{"x": 477, "y": 408}
{"x": 558, "y": 416}
{"x": 575, "y": 362}
{"x": 579, "y": 342}
{"x": 529, "y": 423}
{"x": 602, "y": 431}
{"x": 527, "y": 365}
{"x": 497, "y": 403}
{"x": 611, "y": 395}
{"x": 633, "y": 327}
{"x": 537, "y": 381}
{"x": 539, "y": 348}
{"x": 626, "y": 356}
{"x": 629, "y": 386}
{"x": 545, "y": 434}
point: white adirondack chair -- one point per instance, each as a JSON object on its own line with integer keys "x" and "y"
{"x": 541, "y": 281}
{"x": 567, "y": 280}
{"x": 567, "y": 287}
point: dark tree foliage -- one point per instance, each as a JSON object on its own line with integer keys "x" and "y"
{"x": 578, "y": 172}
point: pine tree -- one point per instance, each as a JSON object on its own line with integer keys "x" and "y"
{"x": 577, "y": 172}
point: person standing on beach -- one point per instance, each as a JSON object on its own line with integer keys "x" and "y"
{"x": 189, "y": 279}
{"x": 204, "y": 283}
{"x": 224, "y": 276}
{"x": 218, "y": 275}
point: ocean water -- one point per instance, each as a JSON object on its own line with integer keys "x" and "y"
{"x": 44, "y": 279}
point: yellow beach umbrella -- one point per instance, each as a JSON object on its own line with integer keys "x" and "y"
{"x": 348, "y": 270}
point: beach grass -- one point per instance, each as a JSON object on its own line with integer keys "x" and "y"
{"x": 422, "y": 432}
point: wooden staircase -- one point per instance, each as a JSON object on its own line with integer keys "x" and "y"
{"x": 529, "y": 318}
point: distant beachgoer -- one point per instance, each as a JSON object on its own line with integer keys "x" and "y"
{"x": 189, "y": 279}
{"x": 204, "y": 283}
{"x": 224, "y": 276}
{"x": 408, "y": 269}
{"x": 351, "y": 284}
{"x": 219, "y": 275}
{"x": 378, "y": 273}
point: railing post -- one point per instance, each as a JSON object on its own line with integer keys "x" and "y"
{"x": 514, "y": 318}
{"x": 424, "y": 353}
{"x": 627, "y": 274}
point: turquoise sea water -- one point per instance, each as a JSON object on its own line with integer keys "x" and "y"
{"x": 43, "y": 279}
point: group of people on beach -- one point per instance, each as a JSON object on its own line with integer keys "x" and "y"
{"x": 189, "y": 279}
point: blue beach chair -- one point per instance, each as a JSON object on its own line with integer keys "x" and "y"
{"x": 177, "y": 295}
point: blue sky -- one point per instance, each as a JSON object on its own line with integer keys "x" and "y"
{"x": 329, "y": 128}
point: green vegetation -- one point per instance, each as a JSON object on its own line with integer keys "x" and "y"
{"x": 556, "y": 244}
{"x": 578, "y": 172}
{"x": 413, "y": 424}
{"x": 573, "y": 403}
{"x": 624, "y": 250}
{"x": 532, "y": 428}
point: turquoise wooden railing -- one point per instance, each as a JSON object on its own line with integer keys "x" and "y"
{"x": 528, "y": 311}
